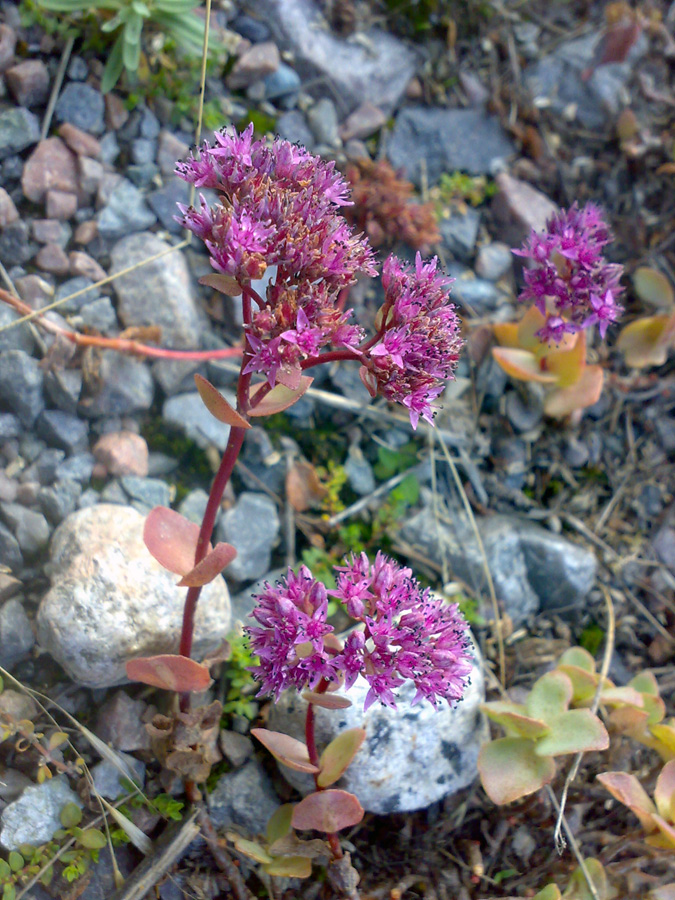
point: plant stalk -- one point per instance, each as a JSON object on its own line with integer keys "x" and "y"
{"x": 310, "y": 740}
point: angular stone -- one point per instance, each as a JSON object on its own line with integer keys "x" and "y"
{"x": 7, "y": 46}
{"x": 494, "y": 261}
{"x": 244, "y": 798}
{"x": 323, "y": 121}
{"x": 16, "y": 634}
{"x": 19, "y": 128}
{"x": 28, "y": 82}
{"x": 109, "y": 781}
{"x": 363, "y": 122}
{"x": 51, "y": 231}
{"x": 91, "y": 174}
{"x": 99, "y": 316}
{"x": 59, "y": 500}
{"x": 125, "y": 387}
{"x": 82, "y": 106}
{"x": 110, "y": 601}
{"x": 61, "y": 205}
{"x": 21, "y": 381}
{"x": 122, "y": 453}
{"x": 163, "y": 203}
{"x": 519, "y": 208}
{"x": 459, "y": 232}
{"x": 444, "y": 140}
{"x": 34, "y": 290}
{"x": 120, "y": 723}
{"x": 16, "y": 247}
{"x": 34, "y": 817}
{"x": 81, "y": 264}
{"x": 17, "y": 338}
{"x": 8, "y": 211}
{"x": 377, "y": 71}
{"x": 161, "y": 294}
{"x": 63, "y": 430}
{"x": 293, "y": 127}
{"x": 29, "y": 527}
{"x": 255, "y": 63}
{"x": 52, "y": 258}
{"x": 86, "y": 232}
{"x": 50, "y": 167}
{"x": 10, "y": 552}
{"x": 79, "y": 141}
{"x": 187, "y": 413}
{"x": 116, "y": 113}
{"x": 79, "y": 286}
{"x": 252, "y": 527}
{"x": 146, "y": 493}
{"x": 412, "y": 755}
{"x": 125, "y": 211}
{"x": 170, "y": 149}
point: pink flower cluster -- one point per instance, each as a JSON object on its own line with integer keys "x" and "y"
{"x": 406, "y": 634}
{"x": 418, "y": 348}
{"x": 279, "y": 206}
{"x": 571, "y": 283}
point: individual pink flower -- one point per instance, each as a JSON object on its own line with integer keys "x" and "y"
{"x": 570, "y": 273}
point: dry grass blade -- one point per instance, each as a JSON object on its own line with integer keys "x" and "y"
{"x": 573, "y": 844}
{"x": 481, "y": 548}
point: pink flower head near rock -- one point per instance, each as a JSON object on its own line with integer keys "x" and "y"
{"x": 406, "y": 634}
{"x": 571, "y": 283}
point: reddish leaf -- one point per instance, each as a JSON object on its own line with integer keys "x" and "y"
{"x": 327, "y": 701}
{"x": 522, "y": 364}
{"x": 327, "y": 811}
{"x": 219, "y": 407}
{"x": 569, "y": 363}
{"x": 169, "y": 672}
{"x": 210, "y": 567}
{"x": 286, "y": 749}
{"x": 645, "y": 342}
{"x": 664, "y": 792}
{"x": 369, "y": 381}
{"x": 509, "y": 769}
{"x": 506, "y": 334}
{"x": 585, "y": 392}
{"x": 171, "y": 539}
{"x": 223, "y": 283}
{"x": 278, "y": 399}
{"x": 303, "y": 487}
{"x": 628, "y": 790}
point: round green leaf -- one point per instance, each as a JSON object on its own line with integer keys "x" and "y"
{"x": 338, "y": 755}
{"x": 550, "y": 696}
{"x": 71, "y": 815}
{"x": 509, "y": 769}
{"x": 279, "y": 823}
{"x": 16, "y": 861}
{"x": 92, "y": 839}
{"x": 9, "y": 892}
{"x": 574, "y": 731}
{"x": 5, "y": 870}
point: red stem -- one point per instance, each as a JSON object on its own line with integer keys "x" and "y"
{"x": 330, "y": 356}
{"x": 310, "y": 740}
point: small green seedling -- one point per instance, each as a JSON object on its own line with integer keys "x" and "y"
{"x": 578, "y": 888}
{"x": 537, "y": 731}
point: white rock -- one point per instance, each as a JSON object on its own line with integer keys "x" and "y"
{"x": 34, "y": 817}
{"x": 412, "y": 756}
{"x": 110, "y": 601}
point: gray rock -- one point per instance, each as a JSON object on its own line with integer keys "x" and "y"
{"x": 447, "y": 140}
{"x": 265, "y": 463}
{"x": 34, "y": 817}
{"x": 120, "y": 723}
{"x": 378, "y": 73}
{"x": 525, "y": 407}
{"x": 293, "y": 126}
{"x": 412, "y": 755}
{"x": 110, "y": 601}
{"x": 82, "y": 106}
{"x": 18, "y": 338}
{"x": 30, "y": 528}
{"x": 244, "y": 798}
{"x": 108, "y": 778}
{"x": 252, "y": 29}
{"x": 163, "y": 296}
{"x": 143, "y": 151}
{"x": 77, "y": 69}
{"x": 126, "y": 211}
{"x": 16, "y": 248}
{"x": 175, "y": 376}
{"x": 146, "y": 493}
{"x": 494, "y": 261}
{"x": 78, "y": 467}
{"x": 596, "y": 100}
{"x": 236, "y": 748}
{"x": 82, "y": 286}
{"x": 144, "y": 175}
{"x": 346, "y": 377}
{"x": 481, "y": 295}
{"x": 44, "y": 466}
{"x": 99, "y": 316}
{"x": 149, "y": 125}
{"x": 19, "y": 129}
{"x": 63, "y": 388}
{"x": 360, "y": 472}
{"x": 519, "y": 208}
{"x": 9, "y": 427}
{"x": 110, "y": 149}
{"x": 323, "y": 120}
{"x": 193, "y": 506}
{"x": 64, "y": 430}
{"x": 459, "y": 232}
{"x": 126, "y": 388}
{"x": 16, "y": 634}
{"x": 21, "y": 385}
{"x": 252, "y": 526}
{"x": 10, "y": 552}
{"x": 163, "y": 203}
{"x": 187, "y": 413}
{"x": 283, "y": 85}
{"x": 532, "y": 569}
{"x": 60, "y": 500}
